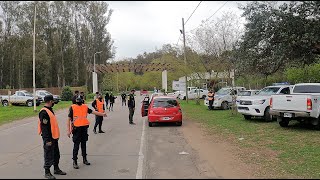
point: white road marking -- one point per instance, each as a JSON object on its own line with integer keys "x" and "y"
{"x": 141, "y": 156}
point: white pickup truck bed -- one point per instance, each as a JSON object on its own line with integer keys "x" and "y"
{"x": 302, "y": 105}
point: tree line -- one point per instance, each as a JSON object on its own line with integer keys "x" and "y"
{"x": 68, "y": 33}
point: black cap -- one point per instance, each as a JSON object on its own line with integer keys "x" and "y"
{"x": 48, "y": 98}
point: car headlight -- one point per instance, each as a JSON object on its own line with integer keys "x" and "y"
{"x": 257, "y": 102}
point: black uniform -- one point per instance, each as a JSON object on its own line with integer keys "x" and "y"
{"x": 124, "y": 98}
{"x": 106, "y": 98}
{"x": 74, "y": 99}
{"x": 80, "y": 135}
{"x": 112, "y": 98}
{"x": 51, "y": 152}
{"x": 99, "y": 119}
{"x": 131, "y": 106}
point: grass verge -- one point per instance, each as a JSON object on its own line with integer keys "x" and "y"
{"x": 292, "y": 152}
{"x": 11, "y": 113}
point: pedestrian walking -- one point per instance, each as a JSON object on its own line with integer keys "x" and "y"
{"x": 49, "y": 129}
{"x": 124, "y": 98}
{"x": 106, "y": 98}
{"x": 98, "y": 105}
{"x": 131, "y": 106}
{"x": 78, "y": 125}
{"x": 112, "y": 100}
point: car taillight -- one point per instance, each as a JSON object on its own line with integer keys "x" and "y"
{"x": 309, "y": 104}
{"x": 151, "y": 112}
{"x": 270, "y": 103}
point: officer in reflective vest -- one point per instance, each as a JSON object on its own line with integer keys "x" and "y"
{"x": 98, "y": 105}
{"x": 49, "y": 129}
{"x": 211, "y": 99}
{"x": 78, "y": 125}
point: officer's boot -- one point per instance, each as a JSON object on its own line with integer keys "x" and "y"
{"x": 57, "y": 170}
{"x": 48, "y": 174}
{"x": 85, "y": 161}
{"x": 75, "y": 164}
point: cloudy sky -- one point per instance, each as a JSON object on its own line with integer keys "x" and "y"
{"x": 139, "y": 26}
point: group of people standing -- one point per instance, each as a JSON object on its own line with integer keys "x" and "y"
{"x": 77, "y": 124}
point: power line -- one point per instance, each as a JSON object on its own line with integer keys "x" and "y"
{"x": 192, "y": 12}
{"x": 188, "y": 19}
{"x": 212, "y": 15}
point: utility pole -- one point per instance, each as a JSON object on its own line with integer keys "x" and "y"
{"x": 34, "y": 58}
{"x": 185, "y": 58}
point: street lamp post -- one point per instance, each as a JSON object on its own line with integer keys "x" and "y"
{"x": 94, "y": 76}
{"x": 34, "y": 59}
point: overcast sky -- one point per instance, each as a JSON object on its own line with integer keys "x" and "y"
{"x": 139, "y": 26}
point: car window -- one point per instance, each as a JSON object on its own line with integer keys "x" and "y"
{"x": 285, "y": 91}
{"x": 223, "y": 91}
{"x": 307, "y": 89}
{"x": 164, "y": 102}
{"x": 244, "y": 93}
{"x": 269, "y": 91}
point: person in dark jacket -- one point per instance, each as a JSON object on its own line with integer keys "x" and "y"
{"x": 112, "y": 100}
{"x": 49, "y": 129}
{"x": 76, "y": 94}
{"x": 106, "y": 98}
{"x": 131, "y": 106}
{"x": 124, "y": 98}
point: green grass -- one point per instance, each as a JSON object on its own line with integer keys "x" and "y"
{"x": 11, "y": 113}
{"x": 295, "y": 151}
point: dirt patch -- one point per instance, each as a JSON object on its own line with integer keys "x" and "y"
{"x": 222, "y": 156}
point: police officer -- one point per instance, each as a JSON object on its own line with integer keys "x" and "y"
{"x": 49, "y": 129}
{"x": 124, "y": 98}
{"x": 98, "y": 105}
{"x": 211, "y": 99}
{"x": 76, "y": 94}
{"x": 131, "y": 106}
{"x": 78, "y": 125}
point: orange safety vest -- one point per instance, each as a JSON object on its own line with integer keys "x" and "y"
{"x": 80, "y": 115}
{"x": 100, "y": 105}
{"x": 210, "y": 96}
{"x": 53, "y": 122}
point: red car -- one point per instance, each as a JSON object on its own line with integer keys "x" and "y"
{"x": 162, "y": 109}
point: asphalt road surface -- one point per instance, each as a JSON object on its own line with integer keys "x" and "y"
{"x": 124, "y": 151}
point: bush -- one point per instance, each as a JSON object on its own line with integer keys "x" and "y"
{"x": 90, "y": 96}
{"x": 66, "y": 94}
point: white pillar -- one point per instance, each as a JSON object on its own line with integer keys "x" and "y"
{"x": 94, "y": 82}
{"x": 164, "y": 80}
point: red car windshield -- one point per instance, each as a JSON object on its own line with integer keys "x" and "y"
{"x": 164, "y": 102}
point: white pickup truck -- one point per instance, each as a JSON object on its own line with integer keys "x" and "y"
{"x": 194, "y": 94}
{"x": 303, "y": 104}
{"x": 20, "y": 98}
{"x": 258, "y": 105}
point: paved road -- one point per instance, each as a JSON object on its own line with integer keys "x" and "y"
{"x": 124, "y": 151}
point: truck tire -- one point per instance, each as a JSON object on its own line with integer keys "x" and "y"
{"x": 267, "y": 116}
{"x": 29, "y": 103}
{"x": 5, "y": 103}
{"x": 283, "y": 122}
{"x": 179, "y": 123}
{"x": 224, "y": 105}
{"x": 150, "y": 124}
{"x": 247, "y": 117}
